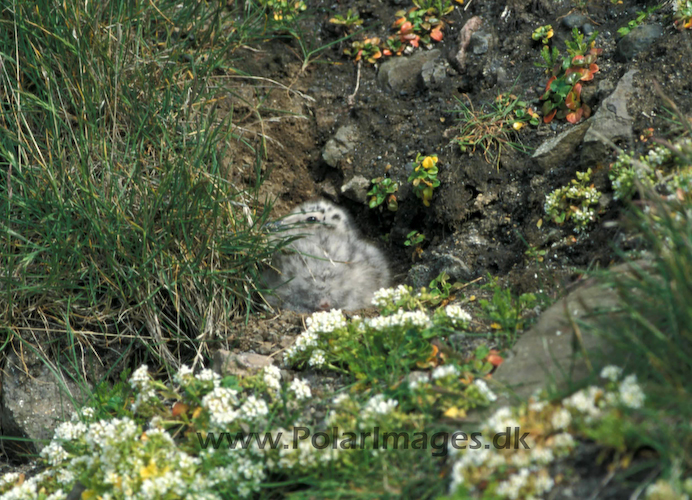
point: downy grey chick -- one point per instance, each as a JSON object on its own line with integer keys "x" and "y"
{"x": 328, "y": 266}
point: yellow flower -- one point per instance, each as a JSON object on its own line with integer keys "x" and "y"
{"x": 429, "y": 162}
{"x": 517, "y": 125}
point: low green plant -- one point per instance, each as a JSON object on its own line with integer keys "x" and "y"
{"x": 414, "y": 238}
{"x": 492, "y": 130}
{"x": 367, "y": 50}
{"x": 666, "y": 167}
{"x": 575, "y": 202}
{"x": 284, "y": 11}
{"x": 424, "y": 177}
{"x": 506, "y": 312}
{"x": 641, "y": 17}
{"x": 683, "y": 14}
{"x": 535, "y": 254}
{"x": 562, "y": 97}
{"x": 383, "y": 188}
{"x": 350, "y": 21}
{"x": 543, "y": 34}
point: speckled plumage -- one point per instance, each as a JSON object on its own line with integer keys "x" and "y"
{"x": 329, "y": 266}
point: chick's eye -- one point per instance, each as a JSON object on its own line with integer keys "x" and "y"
{"x": 312, "y": 218}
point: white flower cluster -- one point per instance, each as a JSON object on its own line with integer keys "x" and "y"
{"x": 458, "y": 315}
{"x": 317, "y": 359}
{"x": 301, "y": 389}
{"x": 592, "y": 400}
{"x": 400, "y": 318}
{"x": 306, "y": 340}
{"x": 272, "y": 377}
{"x": 485, "y": 391}
{"x": 574, "y": 202}
{"x": 611, "y": 373}
{"x": 304, "y": 456}
{"x": 376, "y": 407}
{"x": 390, "y": 296}
{"x": 184, "y": 372}
{"x": 319, "y": 323}
{"x": 326, "y": 321}
{"x": 524, "y": 481}
{"x": 444, "y": 371}
{"x": 589, "y": 402}
{"x": 141, "y": 382}
{"x": 254, "y": 408}
{"x": 531, "y": 479}
{"x": 221, "y": 404}
{"x": 631, "y": 394}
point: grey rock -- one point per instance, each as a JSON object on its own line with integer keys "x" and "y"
{"x": 480, "y": 42}
{"x": 611, "y": 124}
{"x": 422, "y": 274}
{"x": 574, "y": 21}
{"x": 244, "y": 363}
{"x": 356, "y": 189}
{"x": 638, "y": 40}
{"x": 556, "y": 151}
{"x": 401, "y": 74}
{"x": 33, "y": 403}
{"x": 434, "y": 73}
{"x": 343, "y": 143}
{"x": 544, "y": 355}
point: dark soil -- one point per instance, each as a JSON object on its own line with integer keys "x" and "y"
{"x": 485, "y": 214}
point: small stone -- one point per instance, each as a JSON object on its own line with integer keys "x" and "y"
{"x": 638, "y": 40}
{"x": 343, "y": 143}
{"x": 356, "y": 189}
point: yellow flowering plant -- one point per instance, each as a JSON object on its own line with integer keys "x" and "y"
{"x": 424, "y": 177}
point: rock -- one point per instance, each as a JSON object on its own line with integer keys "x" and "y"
{"x": 547, "y": 352}
{"x": 434, "y": 73}
{"x": 242, "y": 364}
{"x": 574, "y": 21}
{"x": 356, "y": 189}
{"x": 638, "y": 40}
{"x": 420, "y": 275}
{"x": 32, "y": 403}
{"x": 401, "y": 74}
{"x": 556, "y": 151}
{"x": 343, "y": 143}
{"x": 471, "y": 26}
{"x": 480, "y": 42}
{"x": 611, "y": 123}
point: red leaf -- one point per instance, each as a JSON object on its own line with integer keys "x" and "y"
{"x": 549, "y": 117}
{"x": 436, "y": 35}
{"x": 406, "y": 28}
{"x": 574, "y": 116}
{"x": 593, "y": 67}
{"x": 578, "y": 60}
{"x": 552, "y": 79}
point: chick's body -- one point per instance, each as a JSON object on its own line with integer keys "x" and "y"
{"x": 328, "y": 266}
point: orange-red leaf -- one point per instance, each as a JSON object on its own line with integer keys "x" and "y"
{"x": 549, "y": 117}
{"x": 436, "y": 35}
{"x": 406, "y": 28}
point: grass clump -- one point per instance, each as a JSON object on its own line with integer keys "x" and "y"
{"x": 494, "y": 129}
{"x": 116, "y": 217}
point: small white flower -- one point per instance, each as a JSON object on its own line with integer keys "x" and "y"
{"x": 561, "y": 419}
{"x": 631, "y": 394}
{"x": 301, "y": 389}
{"x": 485, "y": 391}
{"x": 254, "y": 408}
{"x": 457, "y": 315}
{"x": 317, "y": 358}
{"x": 272, "y": 377}
{"x": 444, "y": 371}
{"x": 611, "y": 372}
